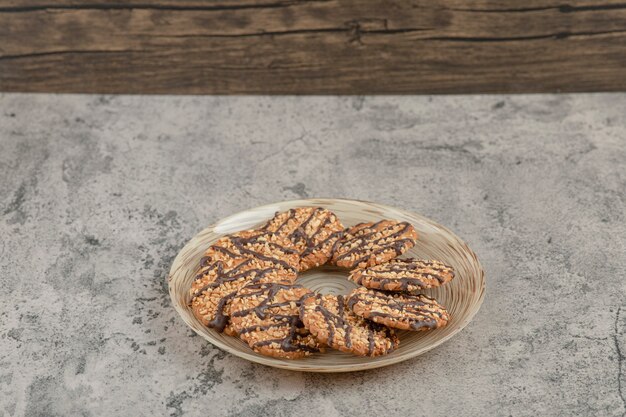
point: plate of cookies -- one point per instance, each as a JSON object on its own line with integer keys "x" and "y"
{"x": 326, "y": 285}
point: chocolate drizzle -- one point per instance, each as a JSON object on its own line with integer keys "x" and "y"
{"x": 255, "y": 275}
{"x": 297, "y": 232}
{"x": 242, "y": 245}
{"x": 341, "y": 321}
{"x": 267, "y": 292}
{"x": 221, "y": 320}
{"x": 245, "y": 254}
{"x": 418, "y": 311}
{"x": 406, "y": 272}
{"x": 250, "y": 246}
{"x": 251, "y": 275}
{"x": 364, "y": 235}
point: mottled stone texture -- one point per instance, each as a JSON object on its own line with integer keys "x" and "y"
{"x": 98, "y": 194}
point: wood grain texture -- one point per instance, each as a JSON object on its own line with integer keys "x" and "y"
{"x": 312, "y": 47}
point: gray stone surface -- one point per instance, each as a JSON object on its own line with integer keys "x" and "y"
{"x": 98, "y": 193}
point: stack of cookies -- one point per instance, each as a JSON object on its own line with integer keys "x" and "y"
{"x": 246, "y": 286}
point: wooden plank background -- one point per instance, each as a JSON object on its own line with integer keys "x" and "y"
{"x": 312, "y": 47}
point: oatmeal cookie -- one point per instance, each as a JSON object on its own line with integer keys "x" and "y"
{"x": 265, "y": 315}
{"x": 216, "y": 285}
{"x": 369, "y": 244}
{"x": 257, "y": 244}
{"x": 400, "y": 311}
{"x": 332, "y": 323}
{"x": 313, "y": 231}
{"x": 403, "y": 275}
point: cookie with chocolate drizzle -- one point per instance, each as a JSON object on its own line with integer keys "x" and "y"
{"x": 403, "y": 275}
{"x": 400, "y": 311}
{"x": 313, "y": 232}
{"x": 369, "y": 244}
{"x": 265, "y": 315}
{"x": 334, "y": 324}
{"x": 217, "y": 283}
{"x": 258, "y": 244}
{"x": 233, "y": 261}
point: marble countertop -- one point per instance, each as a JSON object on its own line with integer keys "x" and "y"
{"x": 98, "y": 194}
